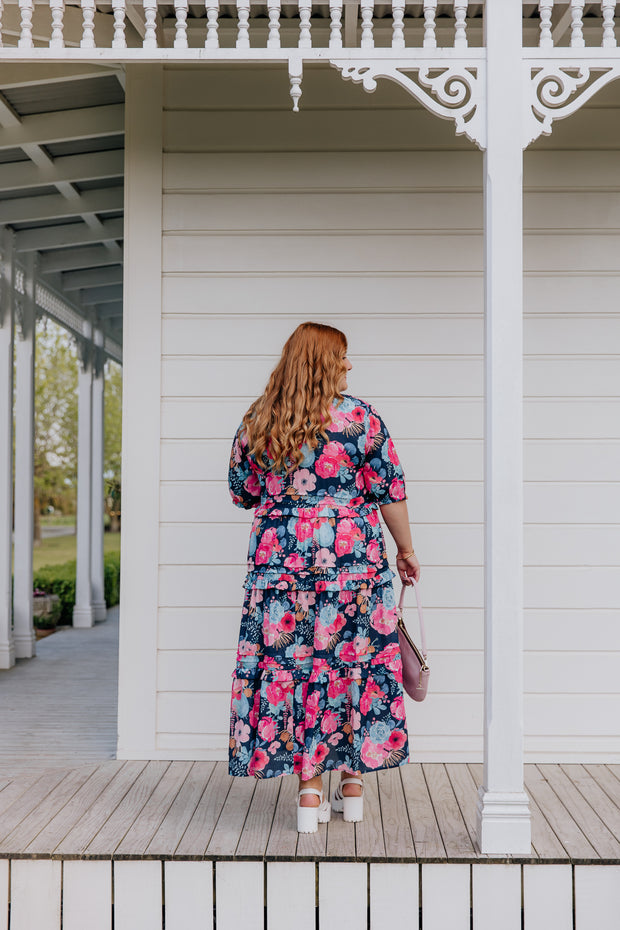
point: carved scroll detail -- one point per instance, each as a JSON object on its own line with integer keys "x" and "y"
{"x": 555, "y": 91}
{"x": 454, "y": 91}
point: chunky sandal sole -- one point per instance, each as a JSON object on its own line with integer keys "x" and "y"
{"x": 309, "y": 818}
{"x": 351, "y": 807}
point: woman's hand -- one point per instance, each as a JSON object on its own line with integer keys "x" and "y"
{"x": 408, "y": 568}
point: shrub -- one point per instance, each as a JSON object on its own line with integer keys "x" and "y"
{"x": 60, "y": 580}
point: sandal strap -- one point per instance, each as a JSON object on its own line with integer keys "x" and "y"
{"x": 351, "y": 780}
{"x": 316, "y": 791}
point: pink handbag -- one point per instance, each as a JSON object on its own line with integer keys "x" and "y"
{"x": 416, "y": 672}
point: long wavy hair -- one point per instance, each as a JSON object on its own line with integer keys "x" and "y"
{"x": 295, "y": 406}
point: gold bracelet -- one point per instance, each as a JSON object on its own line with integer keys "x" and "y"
{"x": 405, "y": 557}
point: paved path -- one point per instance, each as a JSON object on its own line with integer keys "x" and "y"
{"x": 59, "y": 709}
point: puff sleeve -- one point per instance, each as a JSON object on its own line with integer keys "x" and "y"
{"x": 244, "y": 481}
{"x": 384, "y": 479}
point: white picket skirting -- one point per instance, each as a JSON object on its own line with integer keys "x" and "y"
{"x": 235, "y": 893}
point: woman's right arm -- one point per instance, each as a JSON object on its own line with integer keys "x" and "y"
{"x": 396, "y": 517}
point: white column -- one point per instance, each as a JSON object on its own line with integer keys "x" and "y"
{"x": 7, "y": 646}
{"x": 83, "y": 614}
{"x": 96, "y": 568}
{"x": 23, "y": 630}
{"x": 503, "y": 812}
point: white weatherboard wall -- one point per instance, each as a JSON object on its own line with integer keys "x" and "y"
{"x": 366, "y": 212}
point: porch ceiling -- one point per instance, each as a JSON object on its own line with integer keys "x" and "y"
{"x": 61, "y": 181}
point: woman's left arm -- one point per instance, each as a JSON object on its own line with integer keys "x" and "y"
{"x": 396, "y": 516}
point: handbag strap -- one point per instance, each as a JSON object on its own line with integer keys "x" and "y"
{"x": 401, "y": 604}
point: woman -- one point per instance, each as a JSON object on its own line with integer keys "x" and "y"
{"x": 318, "y": 678}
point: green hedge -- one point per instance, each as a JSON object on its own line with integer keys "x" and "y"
{"x": 60, "y": 580}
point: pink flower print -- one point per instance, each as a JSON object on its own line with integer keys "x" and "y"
{"x": 287, "y": 623}
{"x": 302, "y": 652}
{"x": 347, "y": 535}
{"x": 237, "y": 687}
{"x": 359, "y": 480}
{"x": 274, "y": 692}
{"x": 303, "y": 529}
{"x": 252, "y": 485}
{"x": 241, "y": 733}
{"x": 347, "y": 652}
{"x": 319, "y": 754}
{"x": 350, "y": 610}
{"x": 258, "y": 761}
{"x": 335, "y": 738}
{"x": 294, "y": 562}
{"x": 373, "y": 552}
{"x": 390, "y": 656}
{"x": 355, "y": 719}
{"x": 331, "y": 460}
{"x": 306, "y": 599}
{"x": 393, "y": 457}
{"x": 397, "y": 708}
{"x": 372, "y": 517}
{"x": 330, "y": 722}
{"x": 274, "y": 485}
{"x": 246, "y": 649}
{"x": 299, "y": 732}
{"x": 396, "y": 739}
{"x": 322, "y": 636}
{"x": 357, "y": 415}
{"x": 372, "y": 754}
{"x": 325, "y": 559}
{"x": 374, "y": 428}
{"x": 312, "y": 708}
{"x": 304, "y": 481}
{"x": 267, "y": 728}
{"x": 371, "y": 692}
{"x": 336, "y": 687}
{"x": 397, "y": 490}
{"x": 320, "y": 586}
{"x": 273, "y": 747}
{"x": 267, "y": 547}
{"x": 383, "y": 620}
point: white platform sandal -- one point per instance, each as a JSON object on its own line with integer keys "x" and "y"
{"x": 309, "y": 818}
{"x": 351, "y": 807}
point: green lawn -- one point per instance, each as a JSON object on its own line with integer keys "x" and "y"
{"x": 62, "y": 548}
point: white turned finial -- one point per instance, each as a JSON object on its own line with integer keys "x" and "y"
{"x": 545, "y": 8}
{"x": 150, "y": 15}
{"x": 430, "y": 8}
{"x": 305, "y": 12}
{"x": 273, "y": 9}
{"x": 335, "y": 30}
{"x": 57, "y": 8}
{"x": 25, "y": 31}
{"x": 243, "y": 24}
{"x": 88, "y": 24}
{"x": 212, "y": 8}
{"x": 576, "y": 38}
{"x": 295, "y": 72}
{"x": 180, "y": 37}
{"x": 398, "y": 26}
{"x": 609, "y": 35}
{"x": 460, "y": 23}
{"x": 118, "y": 8}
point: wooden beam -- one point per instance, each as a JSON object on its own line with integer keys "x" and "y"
{"x": 74, "y": 280}
{"x": 101, "y": 295}
{"x": 85, "y": 123}
{"x": 50, "y": 206}
{"x": 87, "y": 167}
{"x": 67, "y": 234}
{"x": 110, "y": 311}
{"x": 22, "y": 74}
{"x": 72, "y": 259}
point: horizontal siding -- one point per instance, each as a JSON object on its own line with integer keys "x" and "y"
{"x": 270, "y": 219}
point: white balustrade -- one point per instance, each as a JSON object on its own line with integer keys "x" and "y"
{"x": 545, "y": 8}
{"x": 305, "y": 12}
{"x": 212, "y": 8}
{"x": 25, "y": 34}
{"x": 273, "y": 8}
{"x": 608, "y": 9}
{"x": 576, "y": 36}
{"x": 460, "y": 23}
{"x": 335, "y": 29}
{"x": 180, "y": 37}
{"x": 88, "y": 24}
{"x": 57, "y": 38}
{"x": 367, "y": 9}
{"x": 243, "y": 24}
{"x": 430, "y": 9}
{"x": 150, "y": 31}
{"x": 398, "y": 29}
{"x": 118, "y": 9}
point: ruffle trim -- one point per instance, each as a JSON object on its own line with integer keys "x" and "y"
{"x": 318, "y": 674}
{"x": 324, "y": 580}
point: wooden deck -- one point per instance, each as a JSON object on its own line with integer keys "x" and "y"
{"x": 195, "y": 810}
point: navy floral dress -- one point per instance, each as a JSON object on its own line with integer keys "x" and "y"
{"x": 318, "y": 677}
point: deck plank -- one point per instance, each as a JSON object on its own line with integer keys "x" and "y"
{"x": 202, "y": 822}
{"x": 369, "y": 842}
{"x": 424, "y": 827}
{"x": 396, "y": 830}
{"x": 30, "y": 801}
{"x": 449, "y": 818}
{"x": 313, "y": 845}
{"x": 77, "y": 839}
{"x": 605, "y": 779}
{"x": 230, "y": 823}
{"x": 282, "y": 842}
{"x": 15, "y": 788}
{"x": 257, "y": 827}
{"x": 58, "y": 827}
{"x": 110, "y": 834}
{"x": 340, "y": 843}
{"x": 466, "y": 794}
{"x": 144, "y": 827}
{"x": 605, "y": 843}
{"x": 557, "y": 816}
{"x": 607, "y": 810}
{"x": 28, "y": 828}
{"x": 173, "y": 826}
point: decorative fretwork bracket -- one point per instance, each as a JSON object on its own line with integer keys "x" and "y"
{"x": 557, "y": 89}
{"x": 454, "y": 90}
